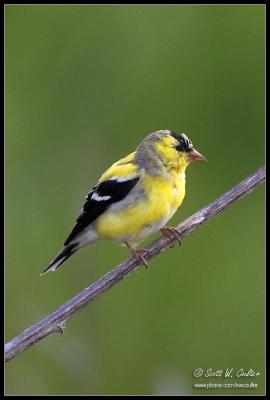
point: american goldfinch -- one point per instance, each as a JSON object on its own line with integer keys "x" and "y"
{"x": 135, "y": 197}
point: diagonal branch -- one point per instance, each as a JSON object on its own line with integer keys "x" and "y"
{"x": 55, "y": 321}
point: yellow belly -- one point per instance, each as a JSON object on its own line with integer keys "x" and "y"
{"x": 134, "y": 223}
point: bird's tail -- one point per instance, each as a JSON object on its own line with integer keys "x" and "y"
{"x": 62, "y": 256}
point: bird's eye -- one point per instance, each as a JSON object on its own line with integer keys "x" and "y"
{"x": 184, "y": 145}
{"x": 180, "y": 146}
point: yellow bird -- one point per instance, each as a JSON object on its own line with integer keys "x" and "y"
{"x": 135, "y": 197}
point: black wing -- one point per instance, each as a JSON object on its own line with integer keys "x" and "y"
{"x": 98, "y": 200}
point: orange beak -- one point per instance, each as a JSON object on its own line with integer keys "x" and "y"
{"x": 194, "y": 155}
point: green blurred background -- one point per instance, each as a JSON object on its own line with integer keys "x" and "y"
{"x": 84, "y": 85}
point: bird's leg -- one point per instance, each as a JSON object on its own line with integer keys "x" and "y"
{"x": 138, "y": 253}
{"x": 171, "y": 233}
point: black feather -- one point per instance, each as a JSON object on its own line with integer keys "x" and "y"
{"x": 92, "y": 208}
{"x": 62, "y": 256}
{"x": 184, "y": 144}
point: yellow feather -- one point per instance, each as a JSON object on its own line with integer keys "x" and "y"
{"x": 164, "y": 194}
{"x": 123, "y": 167}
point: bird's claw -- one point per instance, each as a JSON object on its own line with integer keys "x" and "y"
{"x": 171, "y": 233}
{"x": 139, "y": 254}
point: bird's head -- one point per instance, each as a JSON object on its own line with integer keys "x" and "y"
{"x": 174, "y": 150}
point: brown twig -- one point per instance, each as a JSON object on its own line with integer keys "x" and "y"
{"x": 55, "y": 321}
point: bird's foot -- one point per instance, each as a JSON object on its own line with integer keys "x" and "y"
{"x": 171, "y": 233}
{"x": 138, "y": 253}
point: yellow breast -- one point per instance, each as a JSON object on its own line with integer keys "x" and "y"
{"x": 163, "y": 195}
